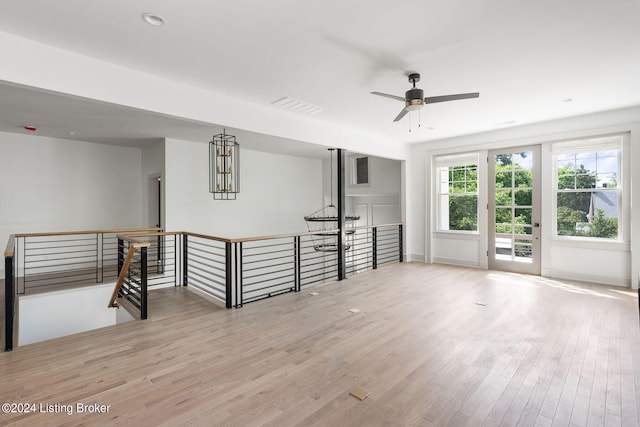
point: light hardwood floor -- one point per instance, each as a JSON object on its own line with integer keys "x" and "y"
{"x": 540, "y": 352}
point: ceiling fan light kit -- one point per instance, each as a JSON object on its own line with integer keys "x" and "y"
{"x": 414, "y": 98}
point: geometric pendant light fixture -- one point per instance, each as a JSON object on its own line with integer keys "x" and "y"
{"x": 224, "y": 167}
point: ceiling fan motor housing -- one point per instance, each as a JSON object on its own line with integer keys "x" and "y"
{"x": 414, "y": 97}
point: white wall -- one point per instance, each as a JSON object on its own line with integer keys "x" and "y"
{"x": 276, "y": 192}
{"x": 384, "y": 177}
{"x": 49, "y": 184}
{"x": 57, "y": 314}
{"x": 616, "y": 263}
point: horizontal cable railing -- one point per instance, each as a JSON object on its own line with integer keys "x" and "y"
{"x": 162, "y": 256}
{"x": 388, "y": 244}
{"x": 318, "y": 263}
{"x": 205, "y": 265}
{"x": 46, "y": 261}
{"x": 268, "y": 268}
{"x": 231, "y": 271}
{"x": 132, "y": 280}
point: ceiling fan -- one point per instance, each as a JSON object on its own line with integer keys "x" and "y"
{"x": 413, "y": 98}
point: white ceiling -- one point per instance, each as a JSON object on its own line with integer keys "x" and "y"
{"x": 524, "y": 57}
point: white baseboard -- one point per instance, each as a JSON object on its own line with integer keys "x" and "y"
{"x": 414, "y": 257}
{"x": 456, "y": 261}
{"x": 590, "y": 278}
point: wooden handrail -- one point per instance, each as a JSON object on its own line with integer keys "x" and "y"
{"x": 205, "y": 236}
{"x": 71, "y": 233}
{"x": 123, "y": 274}
{"x": 281, "y": 236}
{"x": 360, "y": 227}
{"x": 129, "y": 236}
{"x": 8, "y": 252}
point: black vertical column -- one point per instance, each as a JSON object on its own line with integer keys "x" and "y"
{"x": 120, "y": 255}
{"x": 228, "y": 274}
{"x": 342, "y": 268}
{"x": 143, "y": 283}
{"x": 374, "y": 231}
{"x": 185, "y": 259}
{"x": 9, "y": 298}
{"x": 297, "y": 271}
{"x": 400, "y": 244}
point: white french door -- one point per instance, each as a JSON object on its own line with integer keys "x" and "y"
{"x": 514, "y": 209}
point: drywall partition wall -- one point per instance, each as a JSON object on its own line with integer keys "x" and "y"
{"x": 60, "y": 313}
{"x": 615, "y": 263}
{"x": 276, "y": 192}
{"x": 49, "y": 184}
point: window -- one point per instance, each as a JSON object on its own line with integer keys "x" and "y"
{"x": 457, "y": 204}
{"x": 588, "y": 188}
{"x": 361, "y": 170}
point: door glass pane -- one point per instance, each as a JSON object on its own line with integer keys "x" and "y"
{"x": 503, "y": 197}
{"x": 504, "y": 248}
{"x": 522, "y": 249}
{"x": 522, "y": 229}
{"x": 504, "y": 229}
{"x": 504, "y": 216}
{"x": 523, "y": 179}
{"x": 522, "y": 198}
{"x": 503, "y": 179}
{"x": 522, "y": 160}
{"x": 523, "y": 216}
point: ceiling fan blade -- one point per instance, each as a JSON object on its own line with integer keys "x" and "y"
{"x": 444, "y": 98}
{"x": 386, "y": 95}
{"x": 401, "y": 115}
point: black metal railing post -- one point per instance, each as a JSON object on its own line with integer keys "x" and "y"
{"x": 175, "y": 260}
{"x": 238, "y": 284}
{"x": 342, "y": 262}
{"x": 400, "y": 256}
{"x": 297, "y": 272}
{"x": 100, "y": 272}
{"x": 9, "y": 297}
{"x": 143, "y": 283}
{"x": 120, "y": 254}
{"x": 228, "y": 274}
{"x": 159, "y": 257}
{"x": 185, "y": 258}
{"x": 374, "y": 233}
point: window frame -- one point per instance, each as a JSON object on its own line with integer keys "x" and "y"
{"x": 616, "y": 142}
{"x": 354, "y": 171}
{"x": 448, "y": 162}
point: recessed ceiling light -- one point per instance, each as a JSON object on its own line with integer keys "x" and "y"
{"x": 72, "y": 133}
{"x": 567, "y": 100}
{"x": 155, "y": 20}
{"x": 510, "y": 122}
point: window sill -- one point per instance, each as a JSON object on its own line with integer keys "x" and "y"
{"x": 591, "y": 243}
{"x": 462, "y": 235}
